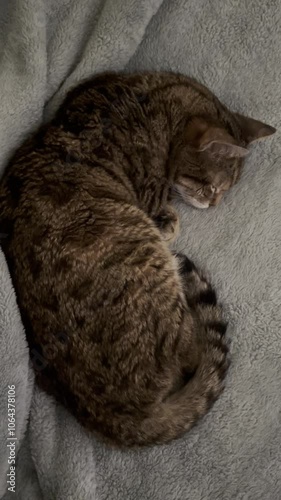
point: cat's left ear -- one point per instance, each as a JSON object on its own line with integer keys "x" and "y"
{"x": 253, "y": 130}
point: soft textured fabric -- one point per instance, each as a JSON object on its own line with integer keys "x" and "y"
{"x": 233, "y": 46}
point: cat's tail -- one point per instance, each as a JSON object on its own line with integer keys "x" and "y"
{"x": 176, "y": 414}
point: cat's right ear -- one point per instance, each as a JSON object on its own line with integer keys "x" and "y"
{"x": 253, "y": 130}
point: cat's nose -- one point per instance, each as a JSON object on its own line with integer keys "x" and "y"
{"x": 216, "y": 199}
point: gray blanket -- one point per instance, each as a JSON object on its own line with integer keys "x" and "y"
{"x": 234, "y": 47}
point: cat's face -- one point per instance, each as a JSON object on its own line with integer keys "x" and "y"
{"x": 210, "y": 158}
{"x": 209, "y": 184}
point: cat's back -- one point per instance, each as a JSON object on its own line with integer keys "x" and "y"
{"x": 102, "y": 124}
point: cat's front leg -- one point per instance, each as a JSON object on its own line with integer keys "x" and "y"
{"x": 167, "y": 222}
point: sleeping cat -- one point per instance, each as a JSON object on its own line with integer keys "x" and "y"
{"x": 129, "y": 336}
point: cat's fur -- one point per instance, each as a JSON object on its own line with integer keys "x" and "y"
{"x": 128, "y": 336}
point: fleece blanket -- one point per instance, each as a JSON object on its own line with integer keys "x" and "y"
{"x": 233, "y": 46}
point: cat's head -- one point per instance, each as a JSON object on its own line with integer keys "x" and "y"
{"x": 209, "y": 156}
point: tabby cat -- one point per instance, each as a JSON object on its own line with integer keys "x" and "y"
{"x": 124, "y": 333}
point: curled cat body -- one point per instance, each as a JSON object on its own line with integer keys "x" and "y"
{"x": 129, "y": 336}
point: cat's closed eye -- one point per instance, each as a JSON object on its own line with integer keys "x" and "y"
{"x": 200, "y": 196}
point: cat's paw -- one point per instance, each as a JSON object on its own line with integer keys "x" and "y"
{"x": 168, "y": 224}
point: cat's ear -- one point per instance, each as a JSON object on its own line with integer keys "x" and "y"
{"x": 223, "y": 146}
{"x": 214, "y": 140}
{"x": 253, "y": 130}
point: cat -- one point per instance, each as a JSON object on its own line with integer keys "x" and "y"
{"x": 129, "y": 335}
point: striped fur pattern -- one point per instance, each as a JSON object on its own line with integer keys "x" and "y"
{"x": 125, "y": 334}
